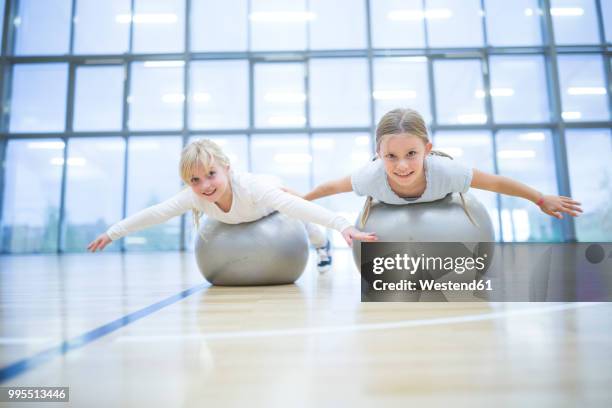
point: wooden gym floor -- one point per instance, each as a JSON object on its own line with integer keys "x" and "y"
{"x": 144, "y": 329}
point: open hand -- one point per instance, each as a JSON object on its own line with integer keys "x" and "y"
{"x": 555, "y": 205}
{"x": 99, "y": 243}
{"x": 351, "y": 233}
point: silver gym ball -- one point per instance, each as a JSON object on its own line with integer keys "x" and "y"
{"x": 270, "y": 251}
{"x": 444, "y": 220}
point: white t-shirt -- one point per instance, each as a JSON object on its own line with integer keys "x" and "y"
{"x": 442, "y": 174}
{"x": 254, "y": 197}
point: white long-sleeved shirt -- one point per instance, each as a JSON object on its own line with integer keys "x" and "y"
{"x": 253, "y": 197}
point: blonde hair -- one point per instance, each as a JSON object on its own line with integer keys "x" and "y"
{"x": 397, "y": 122}
{"x": 200, "y": 153}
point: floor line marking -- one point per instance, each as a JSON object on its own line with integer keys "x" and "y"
{"x": 360, "y": 327}
{"x": 29, "y": 363}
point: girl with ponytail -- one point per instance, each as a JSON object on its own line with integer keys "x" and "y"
{"x": 406, "y": 170}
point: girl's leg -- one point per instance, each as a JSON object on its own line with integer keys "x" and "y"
{"x": 319, "y": 240}
{"x": 316, "y": 235}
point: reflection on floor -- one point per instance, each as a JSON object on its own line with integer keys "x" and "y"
{"x": 306, "y": 344}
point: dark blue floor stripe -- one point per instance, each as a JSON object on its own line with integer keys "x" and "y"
{"x": 15, "y": 369}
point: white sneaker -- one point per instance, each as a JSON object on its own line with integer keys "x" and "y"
{"x": 324, "y": 258}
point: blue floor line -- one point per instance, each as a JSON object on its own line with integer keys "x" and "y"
{"x": 11, "y": 371}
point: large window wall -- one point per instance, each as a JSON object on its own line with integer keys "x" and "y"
{"x": 99, "y": 98}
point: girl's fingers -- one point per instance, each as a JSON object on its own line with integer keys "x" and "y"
{"x": 573, "y": 202}
{"x": 573, "y": 207}
{"x": 570, "y": 212}
{"x": 365, "y": 236}
{"x": 553, "y": 212}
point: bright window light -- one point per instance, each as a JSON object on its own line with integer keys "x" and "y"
{"x": 571, "y": 115}
{"x": 201, "y": 97}
{"x": 584, "y": 90}
{"x": 566, "y": 11}
{"x": 173, "y": 98}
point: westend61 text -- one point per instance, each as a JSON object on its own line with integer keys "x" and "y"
{"x": 482, "y": 284}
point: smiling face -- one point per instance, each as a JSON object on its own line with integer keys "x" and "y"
{"x": 403, "y": 156}
{"x": 212, "y": 183}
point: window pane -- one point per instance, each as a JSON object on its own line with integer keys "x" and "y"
{"x": 574, "y": 21}
{"x": 518, "y": 89}
{"x": 211, "y": 17}
{"x": 94, "y": 189}
{"x": 153, "y": 177}
{"x": 527, "y": 156}
{"x": 30, "y": 213}
{"x": 156, "y": 96}
{"x": 278, "y": 24}
{"x": 606, "y": 9}
{"x": 98, "y": 98}
{"x": 38, "y": 98}
{"x": 397, "y": 23}
{"x": 279, "y": 95}
{"x": 339, "y": 24}
{"x": 2, "y": 3}
{"x": 237, "y": 150}
{"x": 589, "y": 154}
{"x": 401, "y": 82}
{"x": 583, "y": 88}
{"x": 459, "y": 102}
{"x": 339, "y": 92}
{"x": 101, "y": 27}
{"x": 219, "y": 95}
{"x": 285, "y": 156}
{"x": 42, "y": 27}
{"x": 235, "y": 147}
{"x": 454, "y": 23}
{"x": 335, "y": 156}
{"x": 159, "y": 25}
{"x": 475, "y": 150}
{"x": 513, "y": 23}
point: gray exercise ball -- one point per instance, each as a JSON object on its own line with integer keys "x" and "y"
{"x": 443, "y": 220}
{"x": 270, "y": 251}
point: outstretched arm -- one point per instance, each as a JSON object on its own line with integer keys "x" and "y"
{"x": 328, "y": 188}
{"x": 301, "y": 209}
{"x": 157, "y": 214}
{"x": 550, "y": 204}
